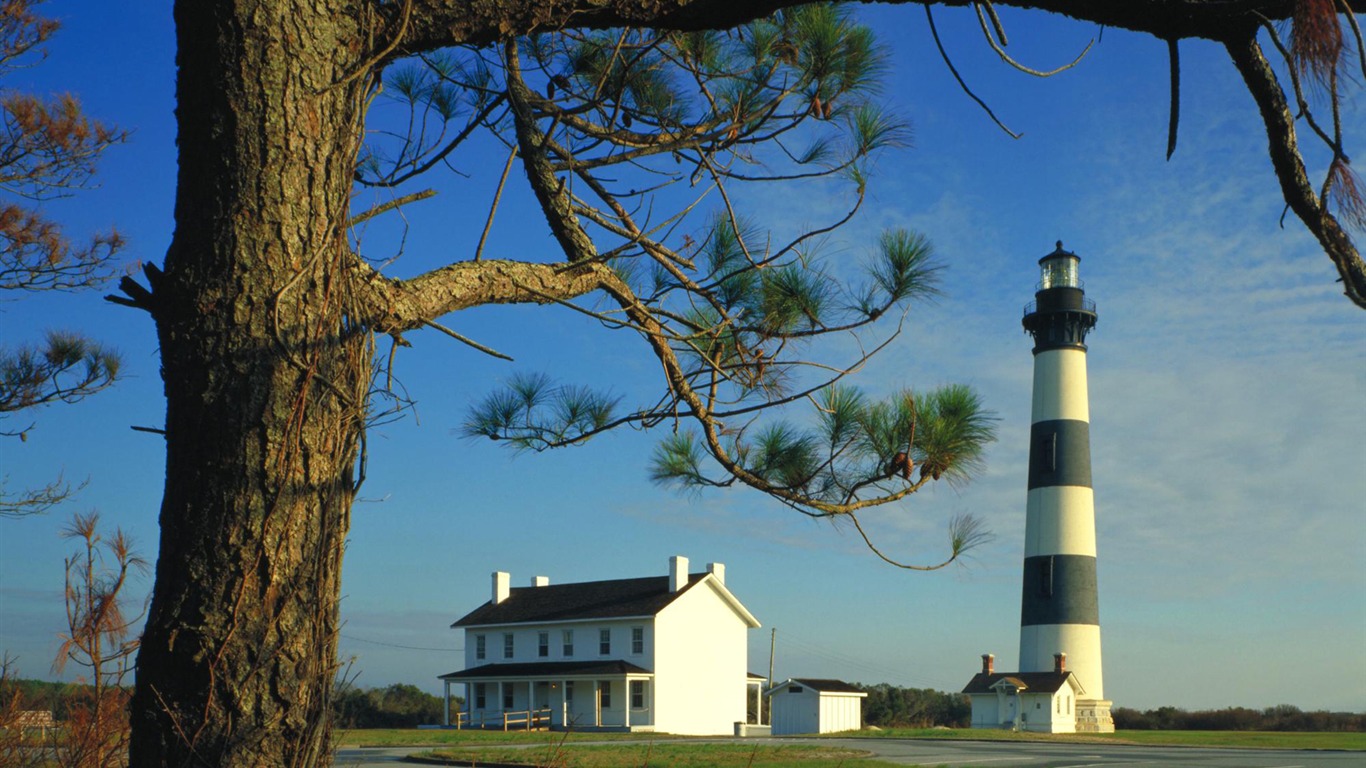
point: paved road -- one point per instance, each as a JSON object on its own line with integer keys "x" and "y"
{"x": 994, "y": 754}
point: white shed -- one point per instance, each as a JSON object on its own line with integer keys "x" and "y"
{"x": 806, "y": 705}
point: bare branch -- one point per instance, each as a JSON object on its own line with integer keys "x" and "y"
{"x": 986, "y": 33}
{"x": 943, "y": 54}
{"x": 467, "y": 340}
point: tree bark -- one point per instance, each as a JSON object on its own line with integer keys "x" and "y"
{"x": 265, "y": 382}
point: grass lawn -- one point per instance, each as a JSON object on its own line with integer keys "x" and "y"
{"x": 412, "y": 737}
{"x": 1258, "y": 739}
{"x": 672, "y": 754}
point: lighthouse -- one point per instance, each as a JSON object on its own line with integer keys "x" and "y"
{"x": 1060, "y": 606}
{"x": 1059, "y": 687}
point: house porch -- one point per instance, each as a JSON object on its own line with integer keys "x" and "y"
{"x": 603, "y": 696}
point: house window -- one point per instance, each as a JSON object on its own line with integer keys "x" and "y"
{"x": 1060, "y": 706}
{"x": 794, "y": 689}
{"x": 480, "y": 647}
{"x": 507, "y": 645}
{"x": 637, "y": 640}
{"x": 543, "y": 644}
{"x": 507, "y": 697}
{"x": 480, "y": 696}
{"x": 605, "y": 642}
{"x": 605, "y": 693}
{"x": 637, "y": 694}
{"x": 569, "y": 692}
{"x": 568, "y": 638}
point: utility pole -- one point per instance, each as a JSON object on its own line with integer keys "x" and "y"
{"x": 772, "y": 645}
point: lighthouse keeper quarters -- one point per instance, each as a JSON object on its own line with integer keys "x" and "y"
{"x": 656, "y": 653}
{"x": 1041, "y": 702}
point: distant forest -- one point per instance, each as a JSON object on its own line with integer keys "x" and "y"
{"x": 1283, "y": 717}
{"x": 397, "y": 706}
{"x": 887, "y": 706}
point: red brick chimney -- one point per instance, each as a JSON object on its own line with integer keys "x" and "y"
{"x": 988, "y": 663}
{"x": 1060, "y": 662}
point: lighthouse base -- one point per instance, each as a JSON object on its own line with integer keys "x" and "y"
{"x": 1093, "y": 716}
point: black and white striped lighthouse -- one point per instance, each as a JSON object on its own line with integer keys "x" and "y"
{"x": 1060, "y": 609}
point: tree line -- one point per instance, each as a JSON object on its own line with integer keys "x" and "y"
{"x": 395, "y": 706}
{"x": 887, "y": 706}
{"x": 1282, "y": 717}
{"x": 890, "y": 706}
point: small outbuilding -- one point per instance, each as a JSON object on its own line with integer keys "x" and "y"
{"x": 1045, "y": 702}
{"x": 807, "y": 705}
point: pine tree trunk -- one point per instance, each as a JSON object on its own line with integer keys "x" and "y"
{"x": 265, "y": 386}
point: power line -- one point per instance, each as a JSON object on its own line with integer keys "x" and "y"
{"x": 396, "y": 645}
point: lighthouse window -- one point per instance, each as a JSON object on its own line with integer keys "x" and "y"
{"x": 1049, "y": 450}
{"x": 1046, "y": 576}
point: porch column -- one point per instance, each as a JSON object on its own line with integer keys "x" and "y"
{"x": 597, "y": 703}
{"x": 626, "y": 704}
{"x": 446, "y": 704}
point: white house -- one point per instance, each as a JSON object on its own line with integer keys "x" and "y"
{"x": 809, "y": 705}
{"x": 1045, "y": 702}
{"x": 656, "y": 653}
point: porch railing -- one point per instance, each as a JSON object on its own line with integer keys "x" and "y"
{"x": 525, "y": 719}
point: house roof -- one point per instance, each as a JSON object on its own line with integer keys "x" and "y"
{"x": 1030, "y": 682}
{"x": 821, "y": 685}
{"x": 548, "y": 669}
{"x": 617, "y": 598}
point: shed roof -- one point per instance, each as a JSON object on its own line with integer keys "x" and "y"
{"x": 820, "y": 685}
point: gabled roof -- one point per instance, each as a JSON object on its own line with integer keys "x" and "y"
{"x": 617, "y": 598}
{"x": 820, "y": 685}
{"x": 547, "y": 669}
{"x": 1025, "y": 682}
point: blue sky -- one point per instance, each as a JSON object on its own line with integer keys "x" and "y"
{"x": 1227, "y": 382}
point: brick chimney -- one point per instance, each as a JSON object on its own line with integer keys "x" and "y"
{"x": 1060, "y": 662}
{"x": 988, "y": 664}
{"x": 718, "y": 570}
{"x": 678, "y": 573}
{"x": 502, "y": 586}
{"x": 540, "y": 581}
